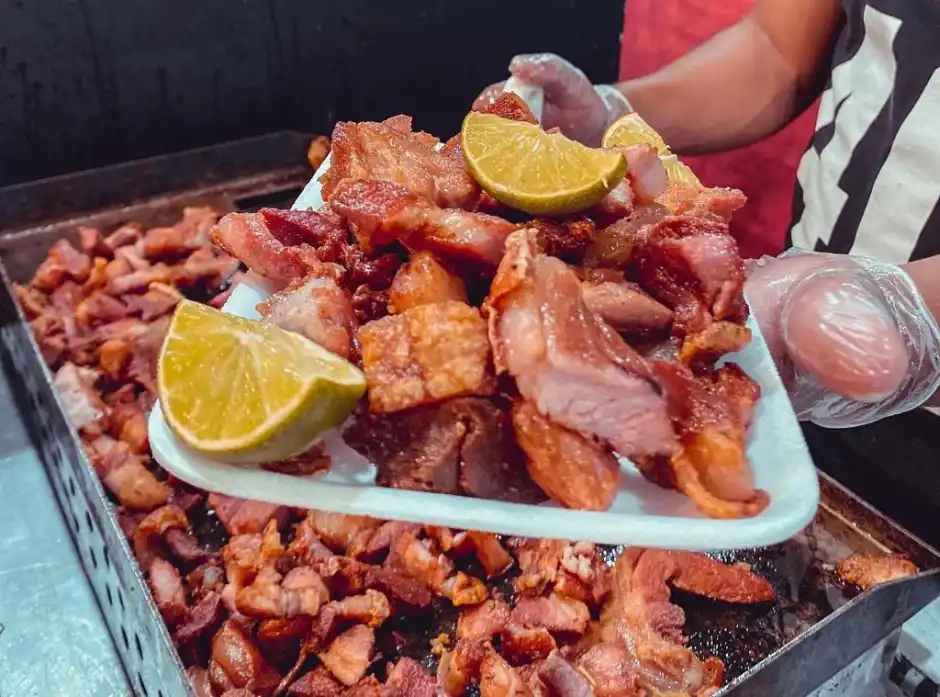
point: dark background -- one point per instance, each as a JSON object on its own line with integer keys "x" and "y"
{"x": 85, "y": 83}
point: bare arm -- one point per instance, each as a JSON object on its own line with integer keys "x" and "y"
{"x": 746, "y": 82}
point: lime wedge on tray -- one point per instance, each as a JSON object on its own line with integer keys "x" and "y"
{"x": 240, "y": 391}
{"x": 678, "y": 171}
{"x": 539, "y": 173}
{"x": 630, "y": 129}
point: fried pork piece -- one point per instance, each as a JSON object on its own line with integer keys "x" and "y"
{"x": 351, "y": 577}
{"x": 125, "y": 475}
{"x": 312, "y": 461}
{"x": 167, "y": 588}
{"x": 408, "y": 678}
{"x": 100, "y": 308}
{"x": 187, "y": 235}
{"x": 300, "y": 592}
{"x": 350, "y": 654}
{"x": 562, "y": 678}
{"x": 610, "y": 669}
{"x": 426, "y": 354}
{"x": 692, "y": 265}
{"x": 626, "y": 307}
{"x": 338, "y": 531}
{"x": 206, "y": 268}
{"x": 390, "y": 151}
{"x": 317, "y": 151}
{"x": 240, "y": 516}
{"x": 461, "y": 667}
{"x": 640, "y": 618}
{"x": 575, "y": 471}
{"x": 499, "y": 679}
{"x": 319, "y": 682}
{"x": 701, "y": 201}
{"x": 63, "y": 263}
{"x": 490, "y": 552}
{"x": 370, "y": 609}
{"x": 867, "y": 570}
{"x": 82, "y": 402}
{"x": 523, "y": 645}
{"x": 317, "y": 308}
{"x": 248, "y": 238}
{"x": 645, "y": 172}
{"x": 463, "y": 445}
{"x": 574, "y": 368}
{"x": 565, "y": 239}
{"x": 707, "y": 346}
{"x": 617, "y": 204}
{"x": 561, "y": 616}
{"x": 538, "y": 563}
{"x": 483, "y": 621}
{"x": 382, "y": 212}
{"x": 711, "y": 416}
{"x": 423, "y": 280}
{"x": 201, "y": 621}
{"x": 509, "y": 105}
{"x": 241, "y": 662}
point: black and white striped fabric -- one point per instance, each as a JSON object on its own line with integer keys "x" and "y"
{"x": 869, "y": 184}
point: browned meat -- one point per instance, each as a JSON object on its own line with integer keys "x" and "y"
{"x": 76, "y": 388}
{"x": 460, "y": 446}
{"x": 167, "y": 588}
{"x": 424, "y": 355}
{"x": 189, "y": 234}
{"x": 408, "y": 678}
{"x": 383, "y": 212}
{"x": 125, "y": 475}
{"x": 461, "y": 667}
{"x": 319, "y": 682}
{"x": 483, "y": 621}
{"x": 350, "y": 654}
{"x": 490, "y": 551}
{"x": 575, "y": 471}
{"x": 62, "y": 263}
{"x": 583, "y": 575}
{"x": 619, "y": 203}
{"x": 510, "y": 106}
{"x": 240, "y": 516}
{"x": 563, "y": 679}
{"x": 373, "y": 545}
{"x": 389, "y": 151}
{"x": 300, "y": 592}
{"x": 317, "y": 308}
{"x": 867, "y": 570}
{"x": 610, "y": 669}
{"x": 241, "y": 661}
{"x": 538, "y": 564}
{"x": 573, "y": 368}
{"x": 100, "y": 308}
{"x": 200, "y": 680}
{"x": 367, "y": 687}
{"x": 565, "y": 239}
{"x": 350, "y": 577}
{"x": 423, "y": 280}
{"x": 422, "y": 560}
{"x": 626, "y": 307}
{"x": 201, "y": 621}
{"x": 463, "y": 590}
{"x": 339, "y": 531}
{"x": 317, "y": 151}
{"x": 499, "y": 679}
{"x": 523, "y": 645}
{"x": 713, "y": 342}
{"x": 558, "y": 615}
{"x": 370, "y": 609}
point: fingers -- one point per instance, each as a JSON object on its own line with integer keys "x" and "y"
{"x": 561, "y": 80}
{"x": 836, "y": 328}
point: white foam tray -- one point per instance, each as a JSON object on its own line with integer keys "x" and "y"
{"x": 642, "y": 513}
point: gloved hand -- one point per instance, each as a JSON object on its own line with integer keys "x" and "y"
{"x": 581, "y": 110}
{"x": 851, "y": 336}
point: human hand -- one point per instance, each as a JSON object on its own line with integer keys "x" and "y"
{"x": 851, "y": 336}
{"x": 581, "y": 110}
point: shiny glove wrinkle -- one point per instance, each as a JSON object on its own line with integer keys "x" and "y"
{"x": 582, "y": 111}
{"x": 851, "y": 336}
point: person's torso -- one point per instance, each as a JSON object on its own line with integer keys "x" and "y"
{"x": 869, "y": 184}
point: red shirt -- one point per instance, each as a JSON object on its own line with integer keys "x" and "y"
{"x": 657, "y": 32}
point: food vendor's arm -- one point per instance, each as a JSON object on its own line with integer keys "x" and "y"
{"x": 926, "y": 276}
{"x": 738, "y": 87}
{"x": 746, "y": 82}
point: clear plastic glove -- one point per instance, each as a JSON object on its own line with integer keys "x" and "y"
{"x": 581, "y": 110}
{"x": 851, "y": 336}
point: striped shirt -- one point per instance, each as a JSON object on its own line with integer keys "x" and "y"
{"x": 869, "y": 184}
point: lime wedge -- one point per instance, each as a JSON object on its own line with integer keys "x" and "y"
{"x": 240, "y": 391}
{"x": 539, "y": 173}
